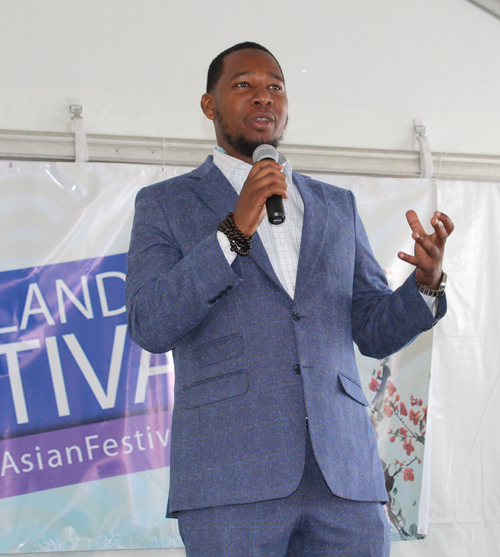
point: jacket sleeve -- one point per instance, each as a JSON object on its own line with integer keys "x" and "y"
{"x": 168, "y": 292}
{"x": 383, "y": 321}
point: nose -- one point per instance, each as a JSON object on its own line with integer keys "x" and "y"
{"x": 262, "y": 97}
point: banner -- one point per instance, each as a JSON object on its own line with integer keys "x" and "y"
{"x": 65, "y": 420}
{"x": 85, "y": 413}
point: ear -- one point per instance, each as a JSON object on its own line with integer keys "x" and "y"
{"x": 208, "y": 105}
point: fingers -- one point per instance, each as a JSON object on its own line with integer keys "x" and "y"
{"x": 429, "y": 269}
{"x": 412, "y": 260}
{"x": 442, "y": 224}
{"x": 428, "y": 243}
{"x": 269, "y": 171}
{"x": 446, "y": 222}
{"x": 429, "y": 248}
{"x": 262, "y": 168}
{"x": 427, "y": 254}
{"x": 443, "y": 227}
{"x": 414, "y": 222}
{"x": 440, "y": 231}
{"x": 266, "y": 178}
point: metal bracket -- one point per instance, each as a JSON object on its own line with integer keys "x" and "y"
{"x": 81, "y": 148}
{"x": 426, "y": 164}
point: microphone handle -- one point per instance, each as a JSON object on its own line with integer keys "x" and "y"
{"x": 275, "y": 210}
{"x": 274, "y": 205}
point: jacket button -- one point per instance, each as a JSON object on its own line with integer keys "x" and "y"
{"x": 295, "y": 316}
{"x": 296, "y": 368}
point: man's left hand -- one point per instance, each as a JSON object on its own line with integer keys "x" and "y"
{"x": 429, "y": 248}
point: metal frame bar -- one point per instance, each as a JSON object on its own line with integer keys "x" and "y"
{"x": 52, "y": 146}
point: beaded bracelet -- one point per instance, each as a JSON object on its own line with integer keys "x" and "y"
{"x": 240, "y": 243}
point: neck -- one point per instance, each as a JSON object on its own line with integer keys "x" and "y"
{"x": 232, "y": 152}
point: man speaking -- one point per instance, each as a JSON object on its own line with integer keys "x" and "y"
{"x": 272, "y": 450}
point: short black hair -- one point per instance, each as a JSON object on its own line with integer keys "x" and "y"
{"x": 217, "y": 65}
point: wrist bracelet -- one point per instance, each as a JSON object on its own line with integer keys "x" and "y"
{"x": 435, "y": 293}
{"x": 240, "y": 243}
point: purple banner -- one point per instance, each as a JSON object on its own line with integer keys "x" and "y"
{"x": 84, "y": 453}
{"x": 65, "y": 357}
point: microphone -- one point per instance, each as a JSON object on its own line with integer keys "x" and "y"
{"x": 274, "y": 203}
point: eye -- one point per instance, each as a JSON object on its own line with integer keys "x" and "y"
{"x": 276, "y": 87}
{"x": 242, "y": 84}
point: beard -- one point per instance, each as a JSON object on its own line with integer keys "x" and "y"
{"x": 243, "y": 145}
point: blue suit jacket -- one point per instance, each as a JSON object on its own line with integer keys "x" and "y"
{"x": 251, "y": 362}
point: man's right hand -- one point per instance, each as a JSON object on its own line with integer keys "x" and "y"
{"x": 264, "y": 180}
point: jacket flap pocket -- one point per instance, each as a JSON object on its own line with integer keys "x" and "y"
{"x": 353, "y": 389}
{"x": 218, "y": 350}
{"x": 213, "y": 389}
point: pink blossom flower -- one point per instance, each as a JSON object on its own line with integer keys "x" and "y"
{"x": 414, "y": 401}
{"x": 408, "y": 475}
{"x": 408, "y": 447}
{"x": 391, "y": 388}
{"x": 402, "y": 409}
{"x": 388, "y": 410}
{"x": 416, "y": 417}
{"x": 374, "y": 385}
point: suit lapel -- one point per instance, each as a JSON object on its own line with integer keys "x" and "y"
{"x": 314, "y": 228}
{"x": 211, "y": 185}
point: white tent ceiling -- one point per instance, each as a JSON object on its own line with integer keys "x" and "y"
{"x": 358, "y": 73}
{"x": 491, "y": 6}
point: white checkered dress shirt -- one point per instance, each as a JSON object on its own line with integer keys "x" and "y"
{"x": 281, "y": 242}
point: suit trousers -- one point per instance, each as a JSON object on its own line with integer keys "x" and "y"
{"x": 311, "y": 522}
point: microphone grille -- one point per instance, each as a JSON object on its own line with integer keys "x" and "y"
{"x": 265, "y": 151}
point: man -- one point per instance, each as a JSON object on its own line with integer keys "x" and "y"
{"x": 272, "y": 450}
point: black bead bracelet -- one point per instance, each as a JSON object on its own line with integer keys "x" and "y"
{"x": 240, "y": 243}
